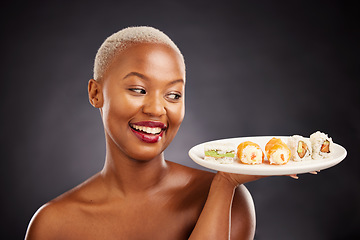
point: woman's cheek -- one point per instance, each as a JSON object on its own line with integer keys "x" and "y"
{"x": 127, "y": 107}
{"x": 176, "y": 114}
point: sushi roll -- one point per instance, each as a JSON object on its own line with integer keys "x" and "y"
{"x": 219, "y": 152}
{"x": 300, "y": 148}
{"x": 277, "y": 152}
{"x": 250, "y": 153}
{"x": 322, "y": 145}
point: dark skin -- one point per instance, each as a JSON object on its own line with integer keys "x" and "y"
{"x": 138, "y": 194}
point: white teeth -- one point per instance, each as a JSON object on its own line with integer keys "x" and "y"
{"x": 150, "y": 130}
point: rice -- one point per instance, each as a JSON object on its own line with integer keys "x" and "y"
{"x": 300, "y": 148}
{"x": 322, "y": 145}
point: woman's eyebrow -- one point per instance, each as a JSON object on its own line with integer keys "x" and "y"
{"x": 176, "y": 81}
{"x": 145, "y": 78}
{"x": 135, "y": 74}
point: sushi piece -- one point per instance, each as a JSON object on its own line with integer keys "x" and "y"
{"x": 300, "y": 148}
{"x": 277, "y": 152}
{"x": 219, "y": 152}
{"x": 322, "y": 145}
{"x": 250, "y": 153}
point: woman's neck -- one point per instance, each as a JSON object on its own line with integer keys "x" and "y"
{"x": 131, "y": 176}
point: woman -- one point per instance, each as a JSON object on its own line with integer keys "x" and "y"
{"x": 139, "y": 88}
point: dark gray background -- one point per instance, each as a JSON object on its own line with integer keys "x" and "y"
{"x": 253, "y": 68}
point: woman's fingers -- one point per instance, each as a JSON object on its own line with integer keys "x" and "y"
{"x": 295, "y": 176}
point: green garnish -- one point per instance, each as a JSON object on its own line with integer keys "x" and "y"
{"x": 214, "y": 153}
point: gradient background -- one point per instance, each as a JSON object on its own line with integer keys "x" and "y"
{"x": 253, "y": 68}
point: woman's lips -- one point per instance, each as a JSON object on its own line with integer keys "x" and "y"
{"x": 148, "y": 131}
{"x": 149, "y": 124}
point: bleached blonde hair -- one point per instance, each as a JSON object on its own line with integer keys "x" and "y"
{"x": 124, "y": 38}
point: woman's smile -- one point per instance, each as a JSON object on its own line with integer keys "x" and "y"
{"x": 148, "y": 131}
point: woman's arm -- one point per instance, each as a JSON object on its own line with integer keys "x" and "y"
{"x": 215, "y": 219}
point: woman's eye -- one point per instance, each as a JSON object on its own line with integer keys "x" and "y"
{"x": 174, "y": 96}
{"x": 138, "y": 90}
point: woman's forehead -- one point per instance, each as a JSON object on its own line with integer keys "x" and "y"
{"x": 150, "y": 56}
{"x": 144, "y": 50}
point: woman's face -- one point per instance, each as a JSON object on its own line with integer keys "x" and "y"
{"x": 143, "y": 100}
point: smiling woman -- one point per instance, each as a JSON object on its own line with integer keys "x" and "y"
{"x": 139, "y": 89}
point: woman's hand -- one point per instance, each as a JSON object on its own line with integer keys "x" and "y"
{"x": 237, "y": 179}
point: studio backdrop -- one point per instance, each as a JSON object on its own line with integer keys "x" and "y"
{"x": 254, "y": 68}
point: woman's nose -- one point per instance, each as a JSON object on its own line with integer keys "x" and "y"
{"x": 154, "y": 105}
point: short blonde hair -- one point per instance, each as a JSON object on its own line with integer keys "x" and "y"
{"x": 124, "y": 38}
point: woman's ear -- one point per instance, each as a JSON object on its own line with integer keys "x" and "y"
{"x": 95, "y": 93}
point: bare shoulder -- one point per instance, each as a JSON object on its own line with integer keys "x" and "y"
{"x": 243, "y": 220}
{"x": 51, "y": 219}
{"x": 44, "y": 223}
{"x": 192, "y": 175}
{"x": 192, "y": 185}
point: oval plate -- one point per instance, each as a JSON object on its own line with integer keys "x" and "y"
{"x": 196, "y": 153}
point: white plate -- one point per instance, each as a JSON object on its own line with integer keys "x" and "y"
{"x": 197, "y": 154}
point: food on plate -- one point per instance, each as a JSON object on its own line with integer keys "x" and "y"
{"x": 277, "y": 152}
{"x": 300, "y": 148}
{"x": 250, "y": 153}
{"x": 339, "y": 153}
{"x": 219, "y": 152}
{"x": 322, "y": 145}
